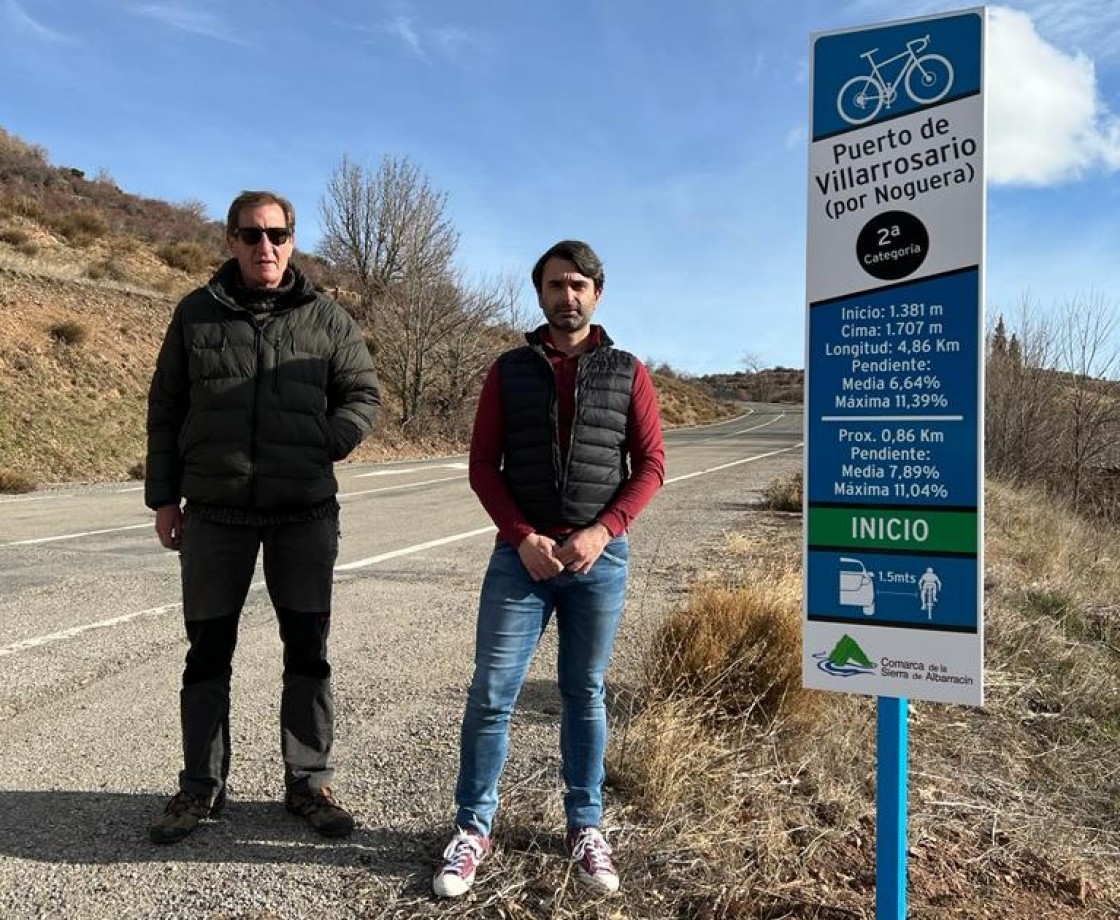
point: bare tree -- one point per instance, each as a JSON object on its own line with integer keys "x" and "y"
{"x": 384, "y": 228}
{"x": 1086, "y": 357}
{"x": 506, "y": 289}
{"x": 1052, "y": 410}
{"x": 759, "y": 378}
{"x": 1020, "y": 418}
{"x": 490, "y": 323}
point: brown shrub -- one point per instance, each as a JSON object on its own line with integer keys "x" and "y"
{"x": 737, "y": 648}
{"x": 69, "y": 332}
{"x": 13, "y": 481}
{"x": 784, "y": 494}
{"x": 14, "y": 236}
{"x": 26, "y": 206}
{"x": 113, "y": 267}
{"x": 192, "y": 258}
{"x": 81, "y": 227}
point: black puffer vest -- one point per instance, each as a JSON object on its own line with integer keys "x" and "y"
{"x": 546, "y": 491}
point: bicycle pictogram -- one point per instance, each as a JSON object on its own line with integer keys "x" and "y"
{"x": 925, "y": 77}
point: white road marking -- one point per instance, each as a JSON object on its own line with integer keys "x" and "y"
{"x": 411, "y": 469}
{"x": 92, "y": 533}
{"x": 407, "y": 485}
{"x": 74, "y": 536}
{"x": 726, "y": 466}
{"x": 731, "y": 434}
{"x": 39, "y": 641}
{"x": 35, "y": 498}
{"x": 63, "y": 635}
{"x": 409, "y": 550}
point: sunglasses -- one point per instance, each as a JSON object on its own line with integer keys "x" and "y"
{"x": 250, "y": 236}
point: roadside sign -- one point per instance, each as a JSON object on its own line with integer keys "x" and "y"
{"x": 894, "y": 362}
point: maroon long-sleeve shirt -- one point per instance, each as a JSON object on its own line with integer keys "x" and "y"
{"x": 644, "y": 443}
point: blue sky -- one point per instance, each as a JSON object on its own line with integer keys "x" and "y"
{"x": 672, "y": 136}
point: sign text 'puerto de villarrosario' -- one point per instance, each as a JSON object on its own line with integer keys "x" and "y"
{"x": 894, "y": 358}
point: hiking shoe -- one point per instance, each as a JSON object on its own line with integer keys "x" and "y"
{"x": 182, "y": 815}
{"x": 592, "y": 856}
{"x": 322, "y": 811}
{"x": 460, "y": 859}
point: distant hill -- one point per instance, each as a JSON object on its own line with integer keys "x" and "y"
{"x": 777, "y": 385}
{"x": 89, "y": 275}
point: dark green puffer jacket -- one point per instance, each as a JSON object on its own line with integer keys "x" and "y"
{"x": 248, "y": 408}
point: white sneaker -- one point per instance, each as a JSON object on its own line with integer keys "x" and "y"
{"x": 592, "y": 856}
{"x": 460, "y": 860}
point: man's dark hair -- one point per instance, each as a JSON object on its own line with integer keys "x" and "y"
{"x": 579, "y": 254}
{"x": 254, "y": 199}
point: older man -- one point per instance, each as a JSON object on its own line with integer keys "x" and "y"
{"x": 261, "y": 384}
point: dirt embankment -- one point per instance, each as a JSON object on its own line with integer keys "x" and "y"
{"x": 75, "y": 361}
{"x": 76, "y": 358}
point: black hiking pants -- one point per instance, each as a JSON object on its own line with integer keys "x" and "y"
{"x": 218, "y": 561}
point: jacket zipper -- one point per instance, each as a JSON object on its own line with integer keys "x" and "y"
{"x": 258, "y": 337}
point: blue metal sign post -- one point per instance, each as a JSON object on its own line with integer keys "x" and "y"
{"x": 890, "y": 816}
{"x": 894, "y": 382}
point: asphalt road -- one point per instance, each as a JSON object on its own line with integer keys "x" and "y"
{"x": 91, "y": 651}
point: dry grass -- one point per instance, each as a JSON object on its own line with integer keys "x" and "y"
{"x": 785, "y": 494}
{"x": 81, "y": 227}
{"x": 14, "y": 236}
{"x": 734, "y": 794}
{"x": 69, "y": 332}
{"x": 192, "y": 258}
{"x": 15, "y": 481}
{"x": 736, "y": 650}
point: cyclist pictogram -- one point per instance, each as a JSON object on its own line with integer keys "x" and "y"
{"x": 925, "y": 77}
{"x": 930, "y": 586}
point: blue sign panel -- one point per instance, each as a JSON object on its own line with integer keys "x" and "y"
{"x": 893, "y": 395}
{"x": 875, "y": 74}
{"x": 882, "y": 589}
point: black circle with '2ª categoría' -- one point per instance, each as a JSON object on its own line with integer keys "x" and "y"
{"x": 892, "y": 245}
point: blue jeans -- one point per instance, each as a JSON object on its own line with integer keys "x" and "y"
{"x": 513, "y": 613}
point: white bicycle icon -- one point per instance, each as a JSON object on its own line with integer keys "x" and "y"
{"x": 926, "y": 77}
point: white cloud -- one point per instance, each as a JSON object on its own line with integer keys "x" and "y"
{"x": 23, "y": 23}
{"x": 401, "y": 26}
{"x": 1093, "y": 25}
{"x": 1046, "y": 122}
{"x": 439, "y": 41}
{"x": 187, "y": 17}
